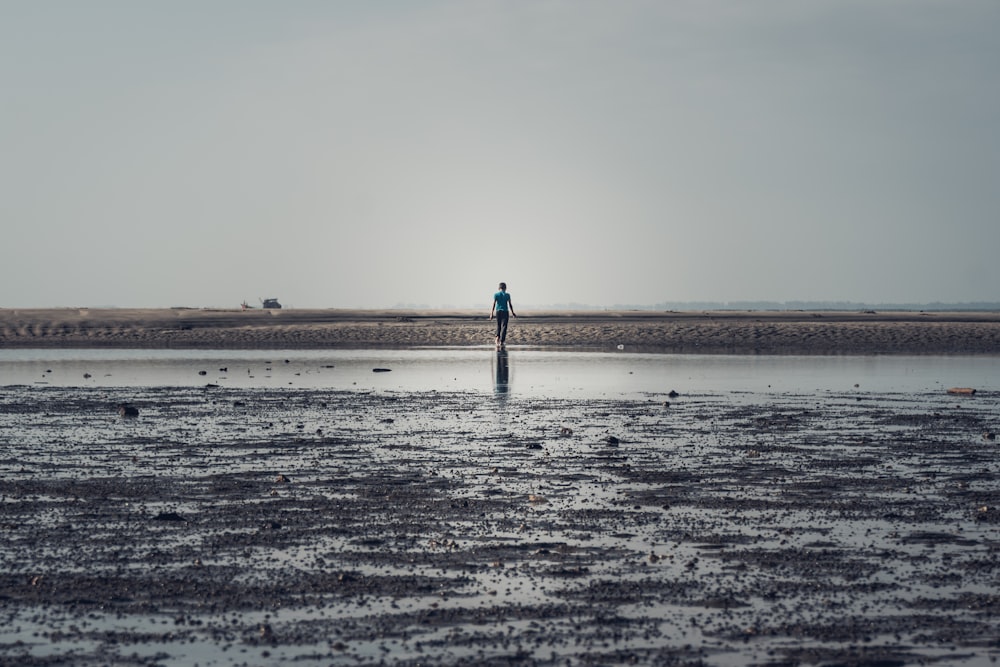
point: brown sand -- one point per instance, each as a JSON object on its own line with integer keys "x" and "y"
{"x": 734, "y": 332}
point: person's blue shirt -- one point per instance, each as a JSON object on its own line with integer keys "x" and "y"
{"x": 502, "y": 299}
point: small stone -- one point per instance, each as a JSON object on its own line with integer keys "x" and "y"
{"x": 126, "y": 410}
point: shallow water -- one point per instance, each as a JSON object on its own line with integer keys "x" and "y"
{"x": 792, "y": 510}
{"x": 524, "y": 373}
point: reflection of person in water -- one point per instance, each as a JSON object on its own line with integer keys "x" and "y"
{"x": 501, "y": 385}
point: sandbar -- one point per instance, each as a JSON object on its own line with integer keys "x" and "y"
{"x": 701, "y": 332}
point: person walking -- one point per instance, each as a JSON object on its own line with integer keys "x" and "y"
{"x": 502, "y": 308}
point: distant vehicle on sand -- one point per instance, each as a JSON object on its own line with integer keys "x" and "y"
{"x": 264, "y": 303}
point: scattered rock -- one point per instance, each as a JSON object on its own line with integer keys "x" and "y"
{"x": 964, "y": 391}
{"x": 565, "y": 431}
{"x": 612, "y": 440}
{"x": 202, "y": 372}
{"x": 673, "y": 394}
{"x": 282, "y": 479}
{"x": 168, "y": 516}
{"x": 126, "y": 410}
{"x": 989, "y": 435}
{"x": 381, "y": 370}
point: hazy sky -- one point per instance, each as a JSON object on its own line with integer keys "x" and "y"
{"x": 362, "y": 153}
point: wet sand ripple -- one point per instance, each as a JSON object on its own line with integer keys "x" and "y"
{"x": 717, "y": 332}
{"x": 314, "y": 527}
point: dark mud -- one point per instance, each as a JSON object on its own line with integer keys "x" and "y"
{"x": 228, "y": 527}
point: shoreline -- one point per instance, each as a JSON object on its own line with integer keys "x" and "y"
{"x": 687, "y": 332}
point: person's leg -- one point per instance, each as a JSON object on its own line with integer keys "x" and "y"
{"x": 502, "y": 324}
{"x": 499, "y": 325}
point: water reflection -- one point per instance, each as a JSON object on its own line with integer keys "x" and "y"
{"x": 540, "y": 373}
{"x": 501, "y": 374}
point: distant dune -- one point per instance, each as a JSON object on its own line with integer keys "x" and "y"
{"x": 735, "y": 332}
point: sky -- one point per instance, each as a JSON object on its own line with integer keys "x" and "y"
{"x": 340, "y": 154}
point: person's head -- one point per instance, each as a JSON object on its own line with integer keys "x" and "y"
{"x": 503, "y": 286}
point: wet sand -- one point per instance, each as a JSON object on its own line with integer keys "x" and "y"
{"x": 309, "y": 527}
{"x": 780, "y": 332}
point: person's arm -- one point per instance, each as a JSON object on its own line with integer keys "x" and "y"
{"x": 493, "y": 308}
{"x": 510, "y": 306}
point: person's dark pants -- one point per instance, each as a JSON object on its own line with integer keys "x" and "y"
{"x": 502, "y": 317}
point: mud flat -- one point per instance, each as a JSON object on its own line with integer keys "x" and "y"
{"x": 308, "y": 527}
{"x": 736, "y": 332}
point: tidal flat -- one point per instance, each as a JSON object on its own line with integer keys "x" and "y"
{"x": 273, "y": 525}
